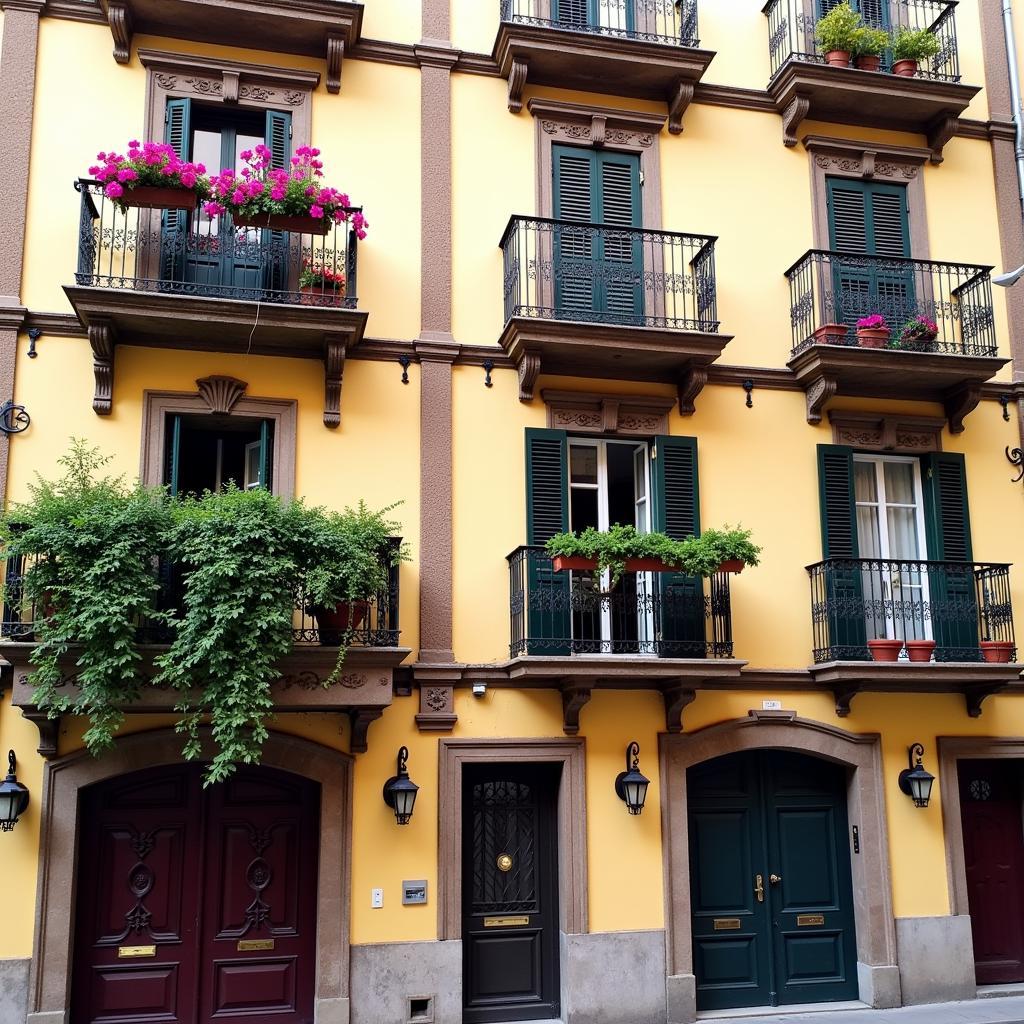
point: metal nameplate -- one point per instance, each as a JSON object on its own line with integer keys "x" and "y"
{"x": 505, "y": 922}
{"x": 810, "y": 920}
{"x": 727, "y": 924}
{"x": 124, "y": 952}
{"x": 247, "y": 945}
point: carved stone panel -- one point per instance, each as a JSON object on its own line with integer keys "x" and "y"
{"x": 878, "y": 432}
{"x": 589, "y": 413}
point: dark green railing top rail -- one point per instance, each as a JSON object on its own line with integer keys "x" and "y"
{"x": 792, "y": 23}
{"x": 562, "y": 613}
{"x": 670, "y": 22}
{"x": 832, "y": 287}
{"x": 179, "y": 253}
{"x": 596, "y": 273}
{"x": 956, "y": 604}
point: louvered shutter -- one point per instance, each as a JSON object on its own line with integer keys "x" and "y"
{"x": 675, "y": 494}
{"x": 572, "y": 13}
{"x": 874, "y": 12}
{"x": 175, "y": 223}
{"x": 951, "y": 591}
{"x": 844, "y": 592}
{"x": 575, "y": 171}
{"x": 549, "y": 624}
{"x": 621, "y": 282}
{"x": 277, "y": 138}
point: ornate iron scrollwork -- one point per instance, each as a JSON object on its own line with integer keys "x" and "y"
{"x": 14, "y": 418}
{"x": 1016, "y": 458}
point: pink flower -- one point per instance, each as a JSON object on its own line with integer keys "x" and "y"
{"x": 316, "y": 211}
{"x": 238, "y": 197}
{"x": 113, "y": 190}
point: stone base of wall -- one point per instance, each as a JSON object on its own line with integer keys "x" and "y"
{"x": 386, "y": 976}
{"x": 936, "y": 956}
{"x": 13, "y": 991}
{"x": 879, "y": 986}
{"x": 681, "y": 998}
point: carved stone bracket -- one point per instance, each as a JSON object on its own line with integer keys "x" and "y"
{"x": 886, "y": 433}
{"x": 516, "y": 84}
{"x": 585, "y": 412}
{"x": 49, "y": 730}
{"x": 677, "y": 699}
{"x": 574, "y": 697}
{"x": 977, "y": 696}
{"x": 362, "y": 719}
{"x": 119, "y": 18}
{"x": 817, "y": 395}
{"x": 437, "y": 708}
{"x": 102, "y": 339}
{"x": 940, "y": 131}
{"x": 677, "y": 104}
{"x": 529, "y": 371}
{"x": 793, "y": 116}
{"x": 843, "y": 696}
{"x": 335, "y": 56}
{"x": 690, "y": 387}
{"x": 334, "y": 368}
{"x": 221, "y": 393}
{"x": 959, "y": 403}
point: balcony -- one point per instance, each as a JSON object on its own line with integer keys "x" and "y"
{"x": 171, "y": 279}
{"x": 652, "y": 630}
{"x": 838, "y": 288}
{"x": 589, "y": 300}
{"x": 313, "y": 28}
{"x": 803, "y": 86}
{"x": 363, "y": 690}
{"x": 963, "y": 607}
{"x": 644, "y": 48}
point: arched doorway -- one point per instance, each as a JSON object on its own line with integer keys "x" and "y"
{"x": 770, "y": 882}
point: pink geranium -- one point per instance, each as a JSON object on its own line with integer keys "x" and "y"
{"x": 875, "y": 322}
{"x": 149, "y": 163}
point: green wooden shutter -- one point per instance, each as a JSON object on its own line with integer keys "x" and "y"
{"x": 575, "y": 13}
{"x": 575, "y": 172}
{"x": 548, "y": 593}
{"x": 842, "y": 584}
{"x": 265, "y": 471}
{"x": 951, "y": 590}
{"x": 173, "y": 473}
{"x": 675, "y": 510}
{"x": 278, "y": 139}
{"x": 621, "y": 285}
{"x": 874, "y": 12}
{"x": 174, "y": 223}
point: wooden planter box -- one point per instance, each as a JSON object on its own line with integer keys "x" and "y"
{"x": 154, "y": 197}
{"x": 285, "y": 222}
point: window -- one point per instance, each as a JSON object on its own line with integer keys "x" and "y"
{"x": 205, "y": 453}
{"x": 874, "y": 12}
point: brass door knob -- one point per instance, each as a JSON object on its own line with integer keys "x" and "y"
{"x": 775, "y": 879}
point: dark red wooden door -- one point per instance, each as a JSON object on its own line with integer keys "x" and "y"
{"x": 196, "y": 905}
{"x": 993, "y": 827}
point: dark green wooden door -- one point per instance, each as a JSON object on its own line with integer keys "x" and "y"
{"x": 771, "y": 888}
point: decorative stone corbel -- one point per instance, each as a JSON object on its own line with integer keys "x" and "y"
{"x": 976, "y": 697}
{"x": 959, "y": 403}
{"x": 49, "y": 730}
{"x": 677, "y": 698}
{"x": 529, "y": 371}
{"x": 437, "y": 708}
{"x": 362, "y": 719}
{"x": 102, "y": 340}
{"x": 229, "y": 89}
{"x": 573, "y": 699}
{"x": 334, "y": 368}
{"x": 792, "y": 116}
{"x": 119, "y": 18}
{"x": 817, "y": 395}
{"x": 940, "y": 131}
{"x": 221, "y": 393}
{"x": 516, "y": 84}
{"x": 690, "y": 387}
{"x": 335, "y": 56}
{"x": 677, "y": 104}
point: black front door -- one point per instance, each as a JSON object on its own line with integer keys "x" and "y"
{"x": 771, "y": 892}
{"x": 510, "y": 892}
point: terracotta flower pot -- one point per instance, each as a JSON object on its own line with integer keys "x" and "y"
{"x": 920, "y": 650}
{"x": 838, "y": 58}
{"x": 334, "y": 623}
{"x": 732, "y": 565}
{"x": 996, "y": 651}
{"x": 284, "y": 222}
{"x": 905, "y": 68}
{"x": 831, "y": 334}
{"x": 869, "y": 62}
{"x": 885, "y": 650}
{"x": 563, "y": 563}
{"x": 157, "y": 197}
{"x": 313, "y": 295}
{"x": 873, "y": 337}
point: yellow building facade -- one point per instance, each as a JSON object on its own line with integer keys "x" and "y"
{"x": 615, "y": 259}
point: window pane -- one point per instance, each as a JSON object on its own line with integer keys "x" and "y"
{"x": 899, "y": 483}
{"x": 903, "y": 539}
{"x": 584, "y": 509}
{"x": 582, "y": 464}
{"x": 867, "y": 532}
{"x": 864, "y": 481}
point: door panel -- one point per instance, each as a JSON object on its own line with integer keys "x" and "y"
{"x": 990, "y": 805}
{"x": 510, "y": 894}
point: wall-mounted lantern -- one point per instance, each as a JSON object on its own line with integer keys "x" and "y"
{"x": 915, "y": 781}
{"x": 630, "y": 785}
{"x": 400, "y": 791}
{"x": 13, "y": 796}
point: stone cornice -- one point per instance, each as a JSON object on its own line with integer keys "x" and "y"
{"x": 579, "y": 113}
{"x": 181, "y": 63}
{"x": 858, "y": 149}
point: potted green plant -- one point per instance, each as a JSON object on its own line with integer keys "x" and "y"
{"x": 868, "y": 46}
{"x": 917, "y": 335}
{"x": 321, "y": 284}
{"x": 910, "y": 47}
{"x": 872, "y": 331}
{"x": 727, "y": 550}
{"x": 837, "y": 34}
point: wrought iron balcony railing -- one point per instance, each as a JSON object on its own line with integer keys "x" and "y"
{"x": 190, "y": 253}
{"x": 671, "y": 22}
{"x": 373, "y": 623}
{"x": 958, "y": 605}
{"x": 840, "y": 288}
{"x": 594, "y": 273}
{"x": 791, "y": 33}
{"x": 564, "y": 613}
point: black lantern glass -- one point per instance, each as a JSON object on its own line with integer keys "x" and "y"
{"x": 630, "y": 785}
{"x": 13, "y": 796}
{"x": 400, "y": 791}
{"x": 915, "y": 781}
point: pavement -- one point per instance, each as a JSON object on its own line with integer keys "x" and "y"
{"x": 991, "y": 1010}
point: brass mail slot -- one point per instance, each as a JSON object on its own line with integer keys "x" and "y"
{"x": 128, "y": 951}
{"x": 810, "y": 920}
{"x": 245, "y": 945}
{"x": 505, "y": 922}
{"x": 727, "y": 924}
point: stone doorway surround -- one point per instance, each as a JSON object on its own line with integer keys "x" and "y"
{"x": 50, "y": 978}
{"x": 877, "y": 965}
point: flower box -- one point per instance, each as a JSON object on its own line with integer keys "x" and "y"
{"x": 563, "y": 563}
{"x": 313, "y": 296}
{"x": 732, "y": 565}
{"x": 284, "y": 222}
{"x": 154, "y": 197}
{"x": 648, "y": 565}
{"x": 885, "y": 650}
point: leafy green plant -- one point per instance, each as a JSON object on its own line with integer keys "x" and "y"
{"x": 870, "y": 42}
{"x": 838, "y": 29}
{"x": 90, "y": 543}
{"x": 694, "y": 556}
{"x": 914, "y": 44}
